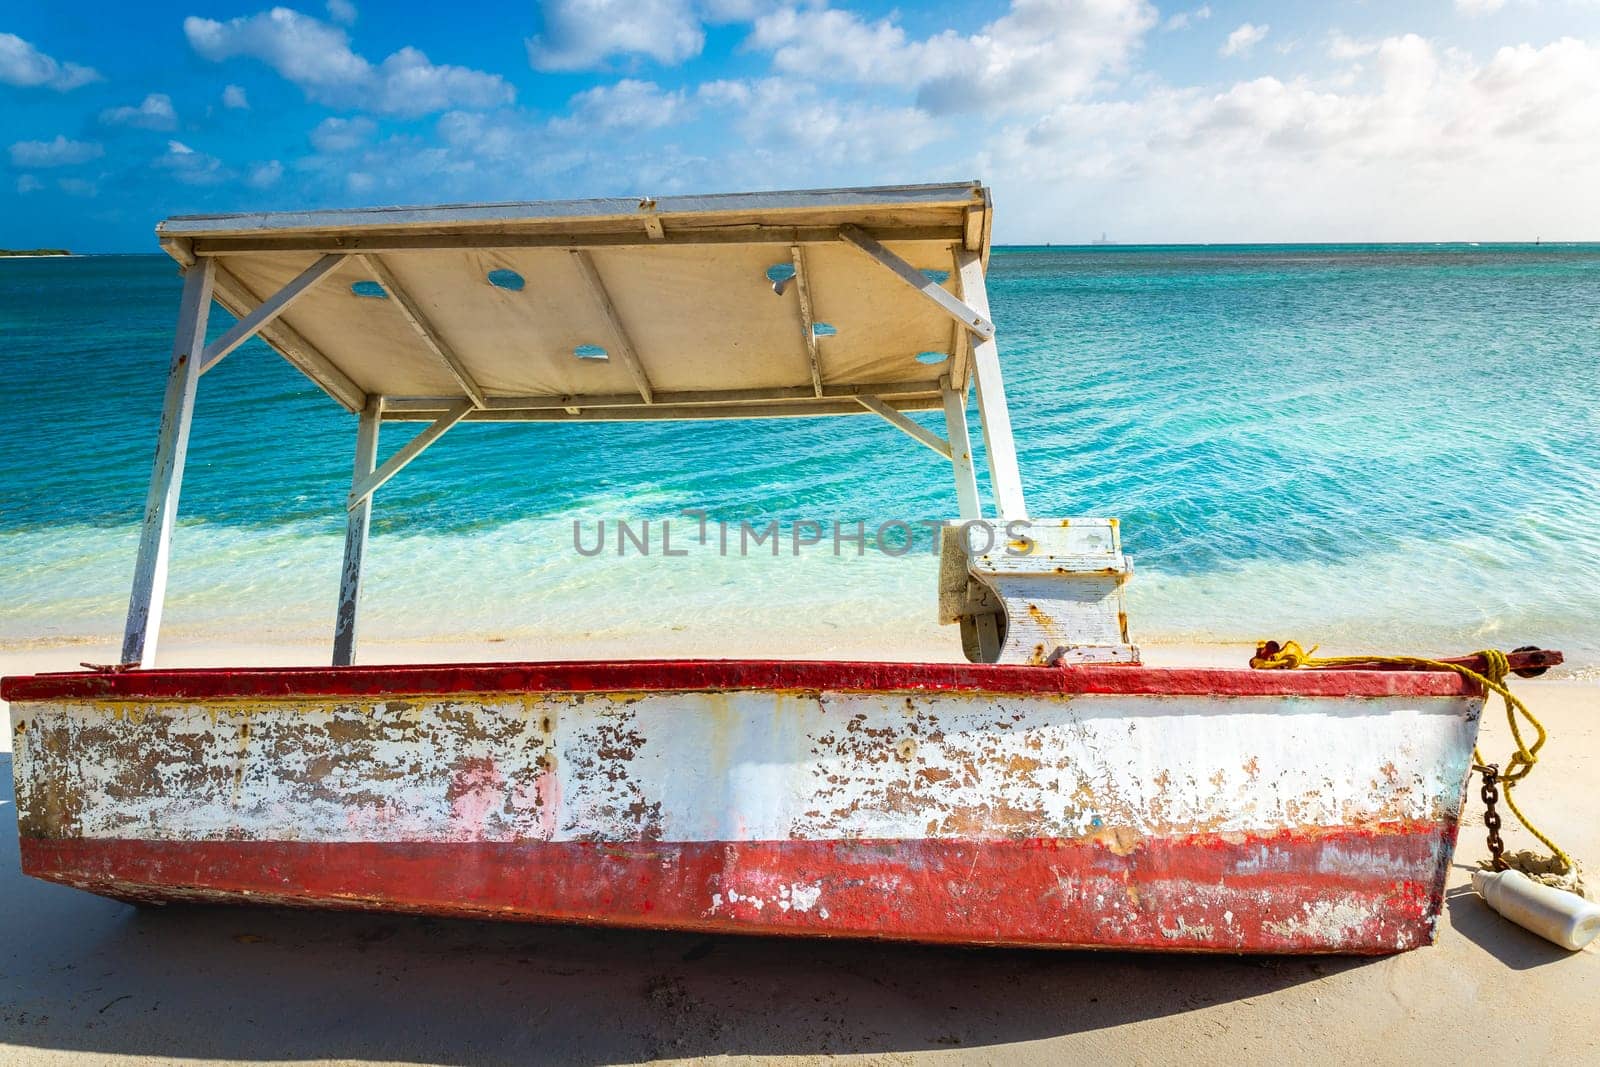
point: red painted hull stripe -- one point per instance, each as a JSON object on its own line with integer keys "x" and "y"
{"x": 1370, "y": 890}
{"x": 722, "y": 675}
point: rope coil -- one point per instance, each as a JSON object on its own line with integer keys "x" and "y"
{"x": 1563, "y": 870}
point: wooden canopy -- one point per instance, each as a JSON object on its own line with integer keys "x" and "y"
{"x": 737, "y": 305}
{"x": 744, "y": 305}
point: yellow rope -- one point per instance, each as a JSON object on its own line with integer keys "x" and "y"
{"x": 1520, "y": 763}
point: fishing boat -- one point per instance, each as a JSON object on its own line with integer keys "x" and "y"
{"x": 1050, "y": 790}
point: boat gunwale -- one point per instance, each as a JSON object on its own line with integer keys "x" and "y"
{"x": 726, "y": 675}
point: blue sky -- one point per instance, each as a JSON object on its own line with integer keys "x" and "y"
{"x": 1435, "y": 120}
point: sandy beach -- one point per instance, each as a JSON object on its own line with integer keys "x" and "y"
{"x": 93, "y": 981}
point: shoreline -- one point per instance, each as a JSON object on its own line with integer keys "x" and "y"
{"x": 934, "y": 645}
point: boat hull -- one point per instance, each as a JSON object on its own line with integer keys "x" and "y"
{"x": 1098, "y": 807}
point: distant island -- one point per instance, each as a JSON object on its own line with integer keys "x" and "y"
{"x": 14, "y": 252}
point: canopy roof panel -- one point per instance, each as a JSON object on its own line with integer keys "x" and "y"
{"x": 617, "y": 308}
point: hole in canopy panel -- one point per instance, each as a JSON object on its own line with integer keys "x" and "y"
{"x": 780, "y": 275}
{"x": 369, "y": 288}
{"x": 590, "y": 352}
{"x": 937, "y": 277}
{"x": 501, "y": 278}
{"x": 823, "y": 329}
{"x": 931, "y": 357}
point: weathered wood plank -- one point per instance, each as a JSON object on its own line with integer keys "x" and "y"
{"x": 633, "y": 237}
{"x": 1005, "y": 479}
{"x": 425, "y": 329}
{"x": 365, "y": 487}
{"x": 357, "y": 521}
{"x": 955, "y": 429}
{"x": 960, "y": 339}
{"x": 269, "y": 309}
{"x": 301, "y": 354}
{"x": 149, "y": 594}
{"x": 972, "y": 319}
{"x": 916, "y": 431}
{"x": 652, "y": 221}
{"x": 667, "y": 412}
{"x": 622, "y": 343}
{"x": 439, "y": 404}
{"x": 800, "y": 203}
{"x": 808, "y": 319}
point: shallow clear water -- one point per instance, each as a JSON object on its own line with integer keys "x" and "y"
{"x": 1380, "y": 446}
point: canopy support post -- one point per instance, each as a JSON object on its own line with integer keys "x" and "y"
{"x": 980, "y": 627}
{"x": 355, "y": 535}
{"x": 955, "y": 428}
{"x": 914, "y": 430}
{"x": 1004, "y": 477}
{"x": 166, "y": 479}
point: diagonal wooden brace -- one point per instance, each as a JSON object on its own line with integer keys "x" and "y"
{"x": 269, "y": 309}
{"x": 974, "y": 321}
{"x": 412, "y": 449}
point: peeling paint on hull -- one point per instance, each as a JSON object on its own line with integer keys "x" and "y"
{"x": 1196, "y": 893}
{"x": 1117, "y": 815}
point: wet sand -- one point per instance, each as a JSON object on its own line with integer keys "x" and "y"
{"x": 86, "y": 980}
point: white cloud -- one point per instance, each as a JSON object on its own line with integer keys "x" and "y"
{"x": 306, "y": 51}
{"x": 57, "y": 153}
{"x": 406, "y": 167}
{"x": 733, "y": 10}
{"x": 342, "y": 11}
{"x": 1478, "y": 8}
{"x": 264, "y": 175}
{"x": 27, "y": 183}
{"x": 583, "y": 34}
{"x": 1039, "y": 51}
{"x": 234, "y": 97}
{"x": 23, "y": 64}
{"x": 78, "y": 187}
{"x": 191, "y": 167}
{"x": 154, "y": 113}
{"x": 1428, "y": 145}
{"x": 341, "y": 135}
{"x": 410, "y": 85}
{"x": 798, "y": 122}
{"x": 317, "y": 57}
{"x": 509, "y": 155}
{"x": 1184, "y": 19}
{"x": 1243, "y": 39}
{"x": 626, "y": 105}
{"x": 1342, "y": 47}
{"x": 492, "y": 137}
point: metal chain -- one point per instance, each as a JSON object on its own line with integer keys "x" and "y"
{"x": 1491, "y": 818}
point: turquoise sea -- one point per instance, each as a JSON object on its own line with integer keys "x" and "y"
{"x": 1380, "y": 446}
